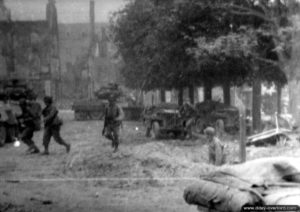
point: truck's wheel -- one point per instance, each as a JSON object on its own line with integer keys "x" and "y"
{"x": 155, "y": 132}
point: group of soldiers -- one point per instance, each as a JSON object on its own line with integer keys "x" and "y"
{"x": 22, "y": 126}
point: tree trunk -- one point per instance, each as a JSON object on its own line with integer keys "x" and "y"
{"x": 207, "y": 91}
{"x": 256, "y": 105}
{"x": 226, "y": 92}
{"x": 278, "y": 87}
{"x": 162, "y": 95}
{"x": 180, "y": 96}
{"x": 191, "y": 94}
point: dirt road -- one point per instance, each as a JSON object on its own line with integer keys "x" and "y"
{"x": 145, "y": 175}
{"x": 56, "y": 183}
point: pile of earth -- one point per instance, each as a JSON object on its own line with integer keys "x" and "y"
{"x": 155, "y": 160}
{"x": 161, "y": 161}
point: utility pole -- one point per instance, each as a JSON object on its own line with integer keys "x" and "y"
{"x": 55, "y": 63}
{"x": 91, "y": 49}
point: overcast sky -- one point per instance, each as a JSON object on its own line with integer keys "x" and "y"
{"x": 69, "y": 11}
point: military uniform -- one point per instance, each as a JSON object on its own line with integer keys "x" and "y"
{"x": 8, "y": 123}
{"x": 188, "y": 113}
{"x": 216, "y": 154}
{"x": 112, "y": 124}
{"x": 52, "y": 125}
{"x": 26, "y": 126}
{"x": 11, "y": 125}
{"x": 36, "y": 111}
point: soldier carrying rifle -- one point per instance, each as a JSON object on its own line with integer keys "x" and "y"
{"x": 113, "y": 122}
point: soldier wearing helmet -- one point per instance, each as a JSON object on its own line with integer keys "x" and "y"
{"x": 188, "y": 113}
{"x": 26, "y": 126}
{"x": 52, "y": 125}
{"x": 216, "y": 154}
{"x": 113, "y": 121}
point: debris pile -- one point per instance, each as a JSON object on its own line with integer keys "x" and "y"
{"x": 154, "y": 160}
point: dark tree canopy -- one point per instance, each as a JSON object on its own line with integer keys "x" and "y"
{"x": 178, "y": 43}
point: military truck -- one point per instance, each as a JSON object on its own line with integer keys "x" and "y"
{"x": 209, "y": 112}
{"x": 94, "y": 109}
{"x": 163, "y": 120}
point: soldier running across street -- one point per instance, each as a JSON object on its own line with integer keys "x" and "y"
{"x": 113, "y": 122}
{"x": 52, "y": 124}
{"x": 36, "y": 110}
{"x": 27, "y": 127}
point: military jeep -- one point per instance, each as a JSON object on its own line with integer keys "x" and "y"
{"x": 163, "y": 120}
{"x": 209, "y": 112}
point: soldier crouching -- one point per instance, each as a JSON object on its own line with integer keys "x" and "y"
{"x": 216, "y": 155}
{"x": 113, "y": 122}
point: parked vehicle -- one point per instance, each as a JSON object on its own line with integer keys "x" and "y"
{"x": 94, "y": 109}
{"x": 163, "y": 120}
{"x": 209, "y": 112}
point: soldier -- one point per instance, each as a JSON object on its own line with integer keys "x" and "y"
{"x": 26, "y": 126}
{"x": 215, "y": 147}
{"x": 9, "y": 122}
{"x": 52, "y": 124}
{"x": 112, "y": 122}
{"x": 188, "y": 112}
{"x": 36, "y": 110}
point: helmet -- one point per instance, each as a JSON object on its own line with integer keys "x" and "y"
{"x": 48, "y": 99}
{"x": 209, "y": 131}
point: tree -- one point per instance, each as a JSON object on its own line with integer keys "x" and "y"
{"x": 175, "y": 45}
{"x": 254, "y": 43}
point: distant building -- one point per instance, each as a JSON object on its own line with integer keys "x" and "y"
{"x": 85, "y": 63}
{"x": 56, "y": 59}
{"x": 26, "y": 52}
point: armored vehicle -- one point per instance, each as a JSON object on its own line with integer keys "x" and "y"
{"x": 94, "y": 109}
{"x": 162, "y": 120}
{"x": 209, "y": 112}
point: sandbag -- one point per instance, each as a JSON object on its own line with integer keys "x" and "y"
{"x": 279, "y": 195}
{"x": 219, "y": 197}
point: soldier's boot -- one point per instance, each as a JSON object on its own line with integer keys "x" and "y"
{"x": 34, "y": 149}
{"x": 113, "y": 144}
{"x": 46, "y": 151}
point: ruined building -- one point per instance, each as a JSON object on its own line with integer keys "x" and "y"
{"x": 62, "y": 60}
{"x": 28, "y": 51}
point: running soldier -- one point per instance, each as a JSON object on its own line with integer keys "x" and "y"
{"x": 36, "y": 111}
{"x": 113, "y": 122}
{"x": 52, "y": 125}
{"x": 26, "y": 127}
